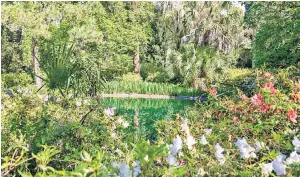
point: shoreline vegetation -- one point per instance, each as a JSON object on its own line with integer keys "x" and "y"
{"x": 140, "y": 87}
{"x": 153, "y": 96}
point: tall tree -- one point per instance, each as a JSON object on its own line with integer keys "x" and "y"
{"x": 276, "y": 41}
{"x": 34, "y": 19}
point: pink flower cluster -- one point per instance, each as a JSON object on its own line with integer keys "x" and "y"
{"x": 257, "y": 100}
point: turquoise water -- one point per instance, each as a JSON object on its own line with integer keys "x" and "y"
{"x": 145, "y": 112}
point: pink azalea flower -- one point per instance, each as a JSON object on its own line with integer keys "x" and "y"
{"x": 267, "y": 75}
{"x": 292, "y": 115}
{"x": 244, "y": 97}
{"x": 265, "y": 107}
{"x": 269, "y": 85}
{"x": 213, "y": 91}
{"x": 257, "y": 99}
{"x": 272, "y": 91}
{"x": 235, "y": 119}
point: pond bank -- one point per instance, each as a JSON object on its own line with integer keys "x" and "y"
{"x": 150, "y": 96}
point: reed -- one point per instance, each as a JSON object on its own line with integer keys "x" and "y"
{"x": 149, "y": 88}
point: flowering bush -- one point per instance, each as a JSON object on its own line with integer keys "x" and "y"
{"x": 242, "y": 135}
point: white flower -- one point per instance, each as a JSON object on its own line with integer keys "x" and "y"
{"x": 208, "y": 131}
{"x": 246, "y": 150}
{"x": 78, "y": 103}
{"x": 281, "y": 157}
{"x": 218, "y": 154}
{"x": 296, "y": 143}
{"x": 85, "y": 102}
{"x": 223, "y": 12}
{"x": 294, "y": 158}
{"x": 120, "y": 120}
{"x": 278, "y": 167}
{"x": 185, "y": 128}
{"x": 258, "y": 146}
{"x": 172, "y": 160}
{"x": 190, "y": 141}
{"x": 109, "y": 111}
{"x": 267, "y": 168}
{"x": 203, "y": 140}
{"x": 125, "y": 124}
{"x": 176, "y": 146}
{"x": 57, "y": 100}
{"x": 124, "y": 170}
{"x": 137, "y": 169}
{"x": 46, "y": 98}
{"x": 115, "y": 164}
{"x": 19, "y": 90}
{"x": 113, "y": 134}
{"x": 146, "y": 158}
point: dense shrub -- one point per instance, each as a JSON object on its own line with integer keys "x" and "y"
{"x": 13, "y": 80}
{"x": 152, "y": 73}
{"x": 277, "y": 25}
{"x": 130, "y": 77}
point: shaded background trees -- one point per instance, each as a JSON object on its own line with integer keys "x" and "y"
{"x": 179, "y": 42}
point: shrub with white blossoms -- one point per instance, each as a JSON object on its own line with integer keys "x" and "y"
{"x": 296, "y": 143}
{"x": 208, "y": 131}
{"x": 174, "y": 148}
{"x": 246, "y": 150}
{"x": 124, "y": 171}
{"x": 259, "y": 146}
{"x": 78, "y": 103}
{"x": 203, "y": 140}
{"x": 124, "y": 123}
{"x": 278, "y": 164}
{"x": 223, "y": 12}
{"x": 109, "y": 112}
{"x": 295, "y": 155}
{"x": 218, "y": 154}
{"x": 190, "y": 140}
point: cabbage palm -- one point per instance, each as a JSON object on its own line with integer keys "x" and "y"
{"x": 59, "y": 66}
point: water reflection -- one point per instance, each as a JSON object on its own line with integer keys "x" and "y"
{"x": 143, "y": 113}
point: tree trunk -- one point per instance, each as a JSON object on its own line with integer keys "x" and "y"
{"x": 136, "y": 62}
{"x": 36, "y": 63}
{"x": 136, "y": 118}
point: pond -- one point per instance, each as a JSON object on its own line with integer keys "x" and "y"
{"x": 143, "y": 113}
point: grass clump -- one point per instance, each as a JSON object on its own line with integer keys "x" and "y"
{"x": 149, "y": 88}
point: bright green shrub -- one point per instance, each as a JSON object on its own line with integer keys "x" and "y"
{"x": 277, "y": 25}
{"x": 153, "y": 73}
{"x": 130, "y": 77}
{"x": 13, "y": 80}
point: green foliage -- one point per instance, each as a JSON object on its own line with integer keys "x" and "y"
{"x": 149, "y": 88}
{"x": 47, "y": 138}
{"x": 11, "y": 51}
{"x": 189, "y": 64}
{"x": 130, "y": 77}
{"x": 57, "y": 62}
{"x": 13, "y": 80}
{"x": 276, "y": 42}
{"x": 152, "y": 72}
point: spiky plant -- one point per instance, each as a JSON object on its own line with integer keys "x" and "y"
{"x": 59, "y": 65}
